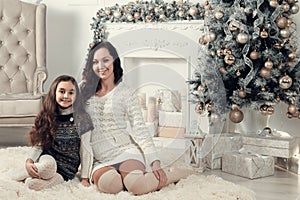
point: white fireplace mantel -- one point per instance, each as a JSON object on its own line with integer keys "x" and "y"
{"x": 160, "y": 55}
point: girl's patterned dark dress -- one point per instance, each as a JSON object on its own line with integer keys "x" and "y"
{"x": 66, "y": 143}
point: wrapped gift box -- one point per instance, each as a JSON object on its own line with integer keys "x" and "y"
{"x": 284, "y": 147}
{"x": 216, "y": 145}
{"x": 170, "y": 119}
{"x": 170, "y": 132}
{"x": 291, "y": 164}
{"x": 248, "y": 165}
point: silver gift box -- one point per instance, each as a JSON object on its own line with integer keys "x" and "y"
{"x": 291, "y": 164}
{"x": 272, "y": 145}
{"x": 217, "y": 145}
{"x": 248, "y": 165}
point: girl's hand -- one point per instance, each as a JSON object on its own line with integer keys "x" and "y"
{"x": 160, "y": 174}
{"x": 85, "y": 182}
{"x": 31, "y": 169}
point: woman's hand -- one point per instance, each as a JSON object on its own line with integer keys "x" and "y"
{"x": 31, "y": 168}
{"x": 159, "y": 174}
{"x": 85, "y": 182}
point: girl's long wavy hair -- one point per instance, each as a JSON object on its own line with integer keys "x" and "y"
{"x": 92, "y": 82}
{"x": 45, "y": 124}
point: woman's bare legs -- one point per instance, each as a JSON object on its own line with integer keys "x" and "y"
{"x": 108, "y": 180}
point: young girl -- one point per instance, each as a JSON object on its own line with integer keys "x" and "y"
{"x": 119, "y": 157}
{"x": 55, "y": 137}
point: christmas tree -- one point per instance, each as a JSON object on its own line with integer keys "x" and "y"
{"x": 254, "y": 48}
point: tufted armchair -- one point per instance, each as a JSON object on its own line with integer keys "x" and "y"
{"x": 22, "y": 61}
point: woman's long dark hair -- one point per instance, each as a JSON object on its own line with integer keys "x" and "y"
{"x": 45, "y": 123}
{"x": 92, "y": 82}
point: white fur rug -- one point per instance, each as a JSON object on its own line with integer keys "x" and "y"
{"x": 194, "y": 187}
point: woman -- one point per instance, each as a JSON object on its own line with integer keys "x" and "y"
{"x": 120, "y": 156}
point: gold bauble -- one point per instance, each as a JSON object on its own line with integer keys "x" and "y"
{"x": 180, "y": 13}
{"x": 264, "y": 109}
{"x": 289, "y": 22}
{"x": 238, "y": 73}
{"x": 264, "y": 34}
{"x": 229, "y": 59}
{"x": 278, "y": 45}
{"x": 292, "y": 55}
{"x": 236, "y": 115}
{"x": 296, "y": 114}
{"x": 117, "y": 14}
{"x": 281, "y": 22}
{"x": 219, "y": 14}
{"x": 227, "y": 51}
{"x": 265, "y": 73}
{"x": 193, "y": 11}
{"x": 289, "y": 115}
{"x": 285, "y": 82}
{"x": 242, "y": 38}
{"x": 295, "y": 9}
{"x": 273, "y": 3}
{"x": 232, "y": 27}
{"x": 203, "y": 40}
{"x": 269, "y": 64}
{"x": 136, "y": 15}
{"x": 286, "y": 7}
{"x": 91, "y": 44}
{"x": 263, "y": 89}
{"x": 285, "y": 33}
{"x": 129, "y": 17}
{"x": 242, "y": 93}
{"x": 200, "y": 88}
{"x": 292, "y": 109}
{"x": 208, "y": 107}
{"x": 199, "y": 108}
{"x": 222, "y": 70}
{"x": 270, "y": 110}
{"x": 220, "y": 52}
{"x": 254, "y": 55}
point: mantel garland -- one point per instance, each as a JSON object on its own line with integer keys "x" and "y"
{"x": 144, "y": 12}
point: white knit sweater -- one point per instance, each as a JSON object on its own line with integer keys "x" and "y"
{"x": 111, "y": 137}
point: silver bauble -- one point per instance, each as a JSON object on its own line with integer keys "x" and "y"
{"x": 211, "y": 36}
{"x": 242, "y": 38}
{"x": 295, "y": 9}
{"x": 285, "y": 33}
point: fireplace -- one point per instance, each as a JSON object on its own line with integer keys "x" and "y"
{"x": 157, "y": 57}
